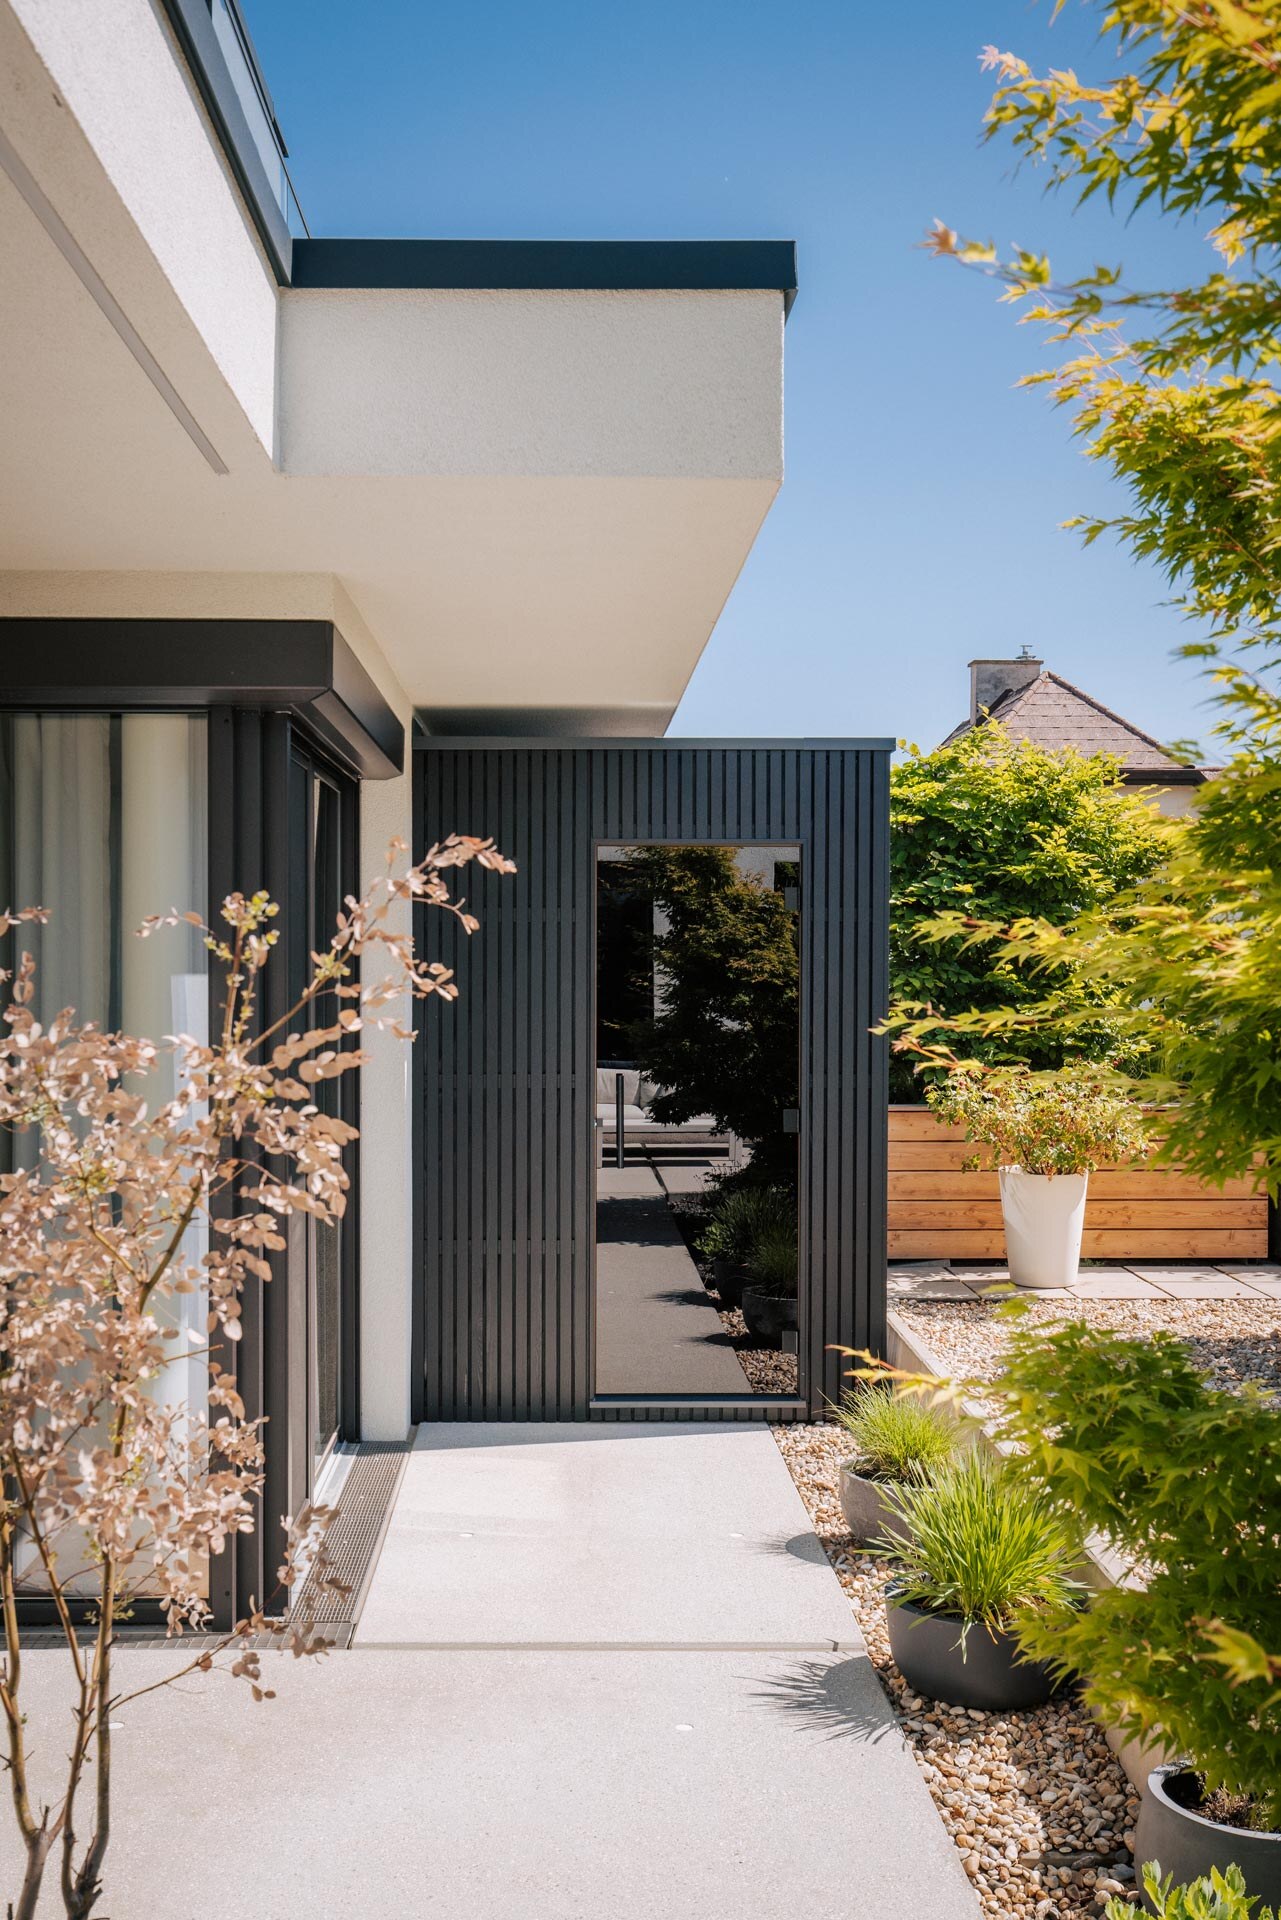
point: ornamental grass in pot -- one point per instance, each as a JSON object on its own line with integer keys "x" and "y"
{"x": 980, "y": 1551}
{"x": 899, "y": 1440}
{"x": 1184, "y": 1479}
{"x": 740, "y": 1216}
{"x": 770, "y": 1296}
{"x": 1049, "y": 1131}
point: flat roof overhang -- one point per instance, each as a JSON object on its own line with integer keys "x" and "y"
{"x": 533, "y": 469}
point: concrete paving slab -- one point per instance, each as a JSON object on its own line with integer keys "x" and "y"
{"x": 1263, "y": 1279}
{"x": 1113, "y": 1286}
{"x": 983, "y": 1279}
{"x": 932, "y": 1284}
{"x": 522, "y": 1786}
{"x": 656, "y": 1328}
{"x": 1192, "y": 1283}
{"x": 686, "y": 1176}
{"x": 628, "y": 1534}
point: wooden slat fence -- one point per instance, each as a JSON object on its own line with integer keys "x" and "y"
{"x": 1140, "y": 1212}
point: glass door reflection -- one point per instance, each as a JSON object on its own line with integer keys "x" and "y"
{"x": 697, "y": 1120}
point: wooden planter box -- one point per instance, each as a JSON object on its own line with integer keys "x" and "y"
{"x": 1139, "y": 1212}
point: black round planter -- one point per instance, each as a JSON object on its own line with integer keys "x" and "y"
{"x": 987, "y": 1673}
{"x": 866, "y": 1506}
{"x": 729, "y": 1281}
{"x": 1186, "y": 1844}
{"x": 768, "y": 1314}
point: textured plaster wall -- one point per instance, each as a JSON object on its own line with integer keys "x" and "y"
{"x": 678, "y": 385}
{"x": 117, "y": 78}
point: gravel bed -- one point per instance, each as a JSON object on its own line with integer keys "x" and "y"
{"x": 1039, "y": 1809}
{"x": 767, "y": 1370}
{"x": 1231, "y": 1340}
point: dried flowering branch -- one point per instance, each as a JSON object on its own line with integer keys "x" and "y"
{"x": 114, "y": 1487}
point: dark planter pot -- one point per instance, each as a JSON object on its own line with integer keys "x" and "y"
{"x": 868, "y": 1513}
{"x": 987, "y": 1673}
{"x": 729, "y": 1281}
{"x": 768, "y": 1314}
{"x": 1187, "y": 1844}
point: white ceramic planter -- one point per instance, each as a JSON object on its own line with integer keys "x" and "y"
{"x": 1044, "y": 1216}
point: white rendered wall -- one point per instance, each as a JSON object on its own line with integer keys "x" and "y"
{"x": 146, "y": 159}
{"x": 606, "y": 385}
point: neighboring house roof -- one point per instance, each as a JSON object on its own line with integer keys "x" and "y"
{"x": 1050, "y": 712}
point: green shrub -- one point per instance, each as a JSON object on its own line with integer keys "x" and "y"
{"x": 772, "y": 1261}
{"x": 740, "y": 1217}
{"x": 1185, "y": 1480}
{"x": 896, "y": 1435}
{"x": 999, "y": 831}
{"x": 1065, "y": 1122}
{"x": 1221, "y": 1897}
{"x": 985, "y": 1547}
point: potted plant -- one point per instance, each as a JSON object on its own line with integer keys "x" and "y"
{"x": 1184, "y": 1478}
{"x": 978, "y": 1550}
{"x": 898, "y": 1440}
{"x": 739, "y": 1217}
{"x": 1049, "y": 1132}
{"x": 769, "y": 1298}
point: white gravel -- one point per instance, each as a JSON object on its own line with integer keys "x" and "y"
{"x": 1231, "y": 1340}
{"x": 1041, "y": 1813}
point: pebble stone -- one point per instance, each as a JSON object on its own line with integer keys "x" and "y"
{"x": 1232, "y": 1341}
{"x": 1037, "y": 1806}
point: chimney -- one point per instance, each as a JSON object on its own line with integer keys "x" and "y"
{"x": 990, "y": 679}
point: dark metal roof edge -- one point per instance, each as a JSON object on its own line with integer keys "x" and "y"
{"x": 451, "y": 743}
{"x": 583, "y": 266}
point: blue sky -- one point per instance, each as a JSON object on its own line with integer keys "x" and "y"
{"x": 919, "y": 523}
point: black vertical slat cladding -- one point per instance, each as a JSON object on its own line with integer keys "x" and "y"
{"x": 877, "y": 889}
{"x": 248, "y": 770}
{"x": 505, "y": 1321}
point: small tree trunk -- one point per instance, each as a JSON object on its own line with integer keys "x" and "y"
{"x": 37, "y": 1845}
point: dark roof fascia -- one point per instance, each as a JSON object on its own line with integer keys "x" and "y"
{"x": 1173, "y": 776}
{"x": 194, "y": 30}
{"x": 604, "y": 743}
{"x": 542, "y": 266}
{"x": 303, "y": 667}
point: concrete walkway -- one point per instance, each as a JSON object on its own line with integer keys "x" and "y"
{"x": 605, "y": 1535}
{"x": 656, "y": 1328}
{"x": 624, "y": 1683}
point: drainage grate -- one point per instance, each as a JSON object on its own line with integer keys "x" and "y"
{"x": 364, "y": 1503}
{"x": 356, "y": 1534}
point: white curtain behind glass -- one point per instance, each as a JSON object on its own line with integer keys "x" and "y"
{"x": 103, "y": 821}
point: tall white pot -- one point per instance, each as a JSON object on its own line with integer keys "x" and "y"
{"x": 1044, "y": 1215}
